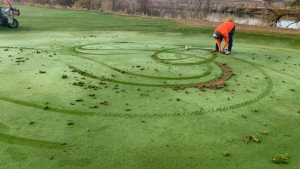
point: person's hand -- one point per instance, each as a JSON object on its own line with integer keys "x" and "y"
{"x": 221, "y": 50}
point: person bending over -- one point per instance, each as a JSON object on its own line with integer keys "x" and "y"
{"x": 226, "y": 31}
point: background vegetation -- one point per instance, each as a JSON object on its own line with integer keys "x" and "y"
{"x": 271, "y": 11}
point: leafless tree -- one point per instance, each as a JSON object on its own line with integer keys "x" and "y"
{"x": 295, "y": 3}
{"x": 273, "y": 15}
{"x": 194, "y": 8}
{"x": 206, "y": 9}
{"x": 268, "y": 3}
{"x": 143, "y": 6}
{"x": 114, "y": 5}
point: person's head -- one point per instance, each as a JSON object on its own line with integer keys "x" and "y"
{"x": 216, "y": 34}
{"x": 230, "y": 19}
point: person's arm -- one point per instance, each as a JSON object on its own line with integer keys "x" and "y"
{"x": 226, "y": 39}
{"x": 219, "y": 43}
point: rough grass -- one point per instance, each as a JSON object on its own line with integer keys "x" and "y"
{"x": 130, "y": 62}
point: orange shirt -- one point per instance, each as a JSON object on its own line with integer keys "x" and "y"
{"x": 224, "y": 29}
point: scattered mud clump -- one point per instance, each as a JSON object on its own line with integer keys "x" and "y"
{"x": 93, "y": 87}
{"x": 70, "y": 122}
{"x": 79, "y": 83}
{"x": 247, "y": 139}
{"x": 128, "y": 109}
{"x": 226, "y": 154}
{"x": 31, "y": 122}
{"x": 243, "y": 116}
{"x": 104, "y": 103}
{"x": 281, "y": 158}
{"x": 264, "y": 133}
{"x": 79, "y": 100}
{"x": 94, "y": 107}
{"x": 42, "y": 72}
{"x": 64, "y": 76}
{"x": 255, "y": 110}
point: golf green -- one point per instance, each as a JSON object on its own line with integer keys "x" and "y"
{"x": 84, "y": 89}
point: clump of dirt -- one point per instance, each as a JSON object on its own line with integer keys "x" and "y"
{"x": 243, "y": 116}
{"x": 216, "y": 84}
{"x": 94, "y": 107}
{"x": 281, "y": 158}
{"x": 226, "y": 154}
{"x": 104, "y": 103}
{"x": 92, "y": 87}
{"x": 64, "y": 76}
{"x": 79, "y": 83}
{"x": 264, "y": 133}
{"x": 247, "y": 139}
{"x": 70, "y": 122}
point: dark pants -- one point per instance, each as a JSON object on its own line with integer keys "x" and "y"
{"x": 230, "y": 40}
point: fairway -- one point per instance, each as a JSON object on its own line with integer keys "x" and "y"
{"x": 84, "y": 89}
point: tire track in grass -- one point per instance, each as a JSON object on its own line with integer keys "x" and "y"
{"x": 266, "y": 91}
{"x": 51, "y": 109}
{"x": 89, "y": 75}
{"x": 281, "y": 72}
{"x": 6, "y": 138}
{"x": 121, "y": 115}
{"x": 207, "y": 73}
{"x": 154, "y": 56}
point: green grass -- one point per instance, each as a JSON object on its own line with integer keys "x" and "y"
{"x": 131, "y": 62}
